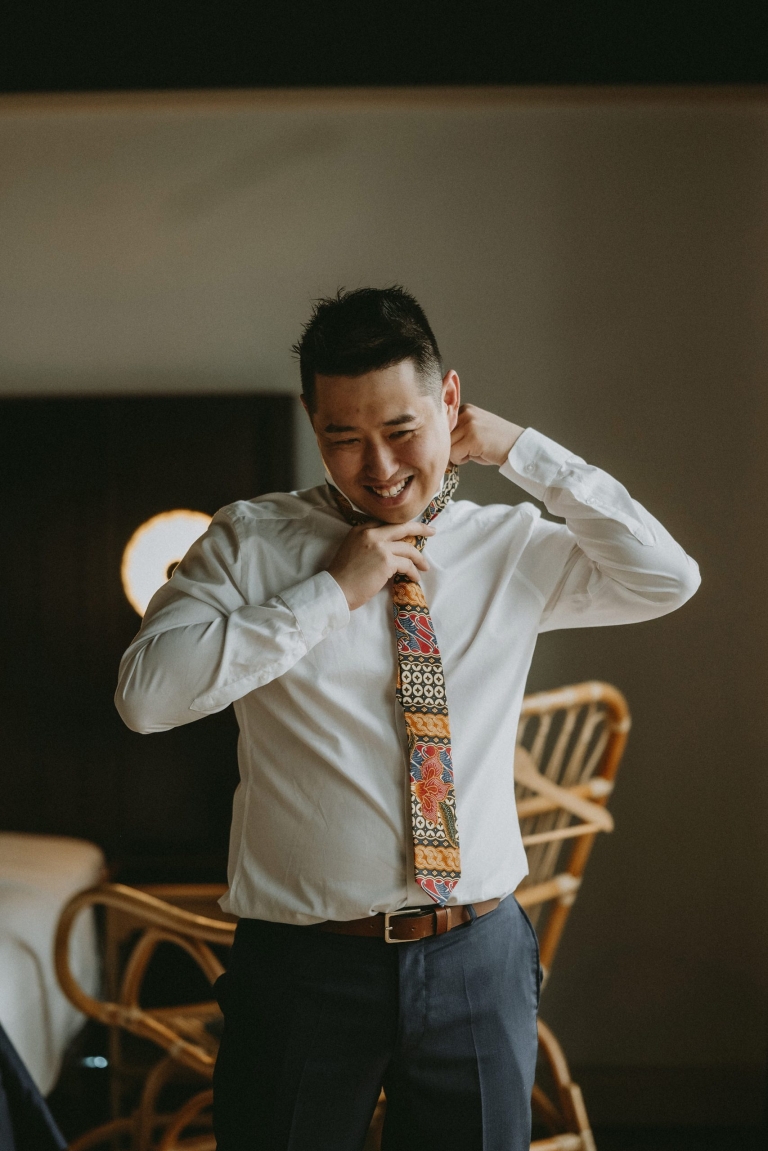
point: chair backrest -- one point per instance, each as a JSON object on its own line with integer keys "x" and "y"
{"x": 569, "y": 745}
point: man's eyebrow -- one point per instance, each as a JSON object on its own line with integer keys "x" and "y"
{"x": 404, "y": 419}
{"x": 335, "y": 429}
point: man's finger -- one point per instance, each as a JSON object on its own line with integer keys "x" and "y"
{"x": 405, "y": 567}
{"x": 409, "y": 552}
{"x": 461, "y": 447}
{"x": 402, "y": 531}
{"x": 461, "y": 453}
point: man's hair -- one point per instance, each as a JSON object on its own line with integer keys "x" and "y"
{"x": 361, "y": 331}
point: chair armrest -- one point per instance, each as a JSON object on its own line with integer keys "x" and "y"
{"x": 161, "y": 921}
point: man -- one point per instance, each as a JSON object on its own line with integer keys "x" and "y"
{"x": 377, "y": 683}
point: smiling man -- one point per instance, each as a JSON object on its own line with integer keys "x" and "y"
{"x": 374, "y": 635}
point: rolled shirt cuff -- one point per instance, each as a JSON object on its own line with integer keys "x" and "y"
{"x": 534, "y": 462}
{"x": 319, "y": 606}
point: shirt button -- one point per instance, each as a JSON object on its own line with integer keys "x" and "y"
{"x": 529, "y": 467}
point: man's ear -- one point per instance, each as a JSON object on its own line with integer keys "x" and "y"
{"x": 309, "y": 415}
{"x": 451, "y": 397}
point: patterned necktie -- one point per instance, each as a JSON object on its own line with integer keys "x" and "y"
{"x": 421, "y": 692}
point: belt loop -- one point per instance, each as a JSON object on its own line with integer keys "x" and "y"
{"x": 472, "y": 913}
{"x": 441, "y": 920}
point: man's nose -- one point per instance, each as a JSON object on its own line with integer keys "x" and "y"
{"x": 380, "y": 462}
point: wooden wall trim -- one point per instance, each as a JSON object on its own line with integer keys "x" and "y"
{"x": 230, "y": 100}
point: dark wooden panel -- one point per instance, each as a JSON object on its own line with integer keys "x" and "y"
{"x": 77, "y": 476}
{"x": 119, "y": 46}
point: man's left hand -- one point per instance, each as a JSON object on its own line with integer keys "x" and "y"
{"x": 482, "y": 437}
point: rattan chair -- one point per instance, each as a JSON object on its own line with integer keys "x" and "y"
{"x": 187, "y": 1033}
{"x": 570, "y": 743}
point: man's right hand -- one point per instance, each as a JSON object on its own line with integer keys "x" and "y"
{"x": 372, "y": 554}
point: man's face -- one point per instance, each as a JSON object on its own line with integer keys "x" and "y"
{"x": 385, "y": 443}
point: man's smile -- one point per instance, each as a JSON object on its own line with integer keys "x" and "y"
{"x": 392, "y": 492}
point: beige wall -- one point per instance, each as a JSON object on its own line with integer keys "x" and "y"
{"x": 593, "y": 266}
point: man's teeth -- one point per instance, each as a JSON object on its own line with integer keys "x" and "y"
{"x": 389, "y": 493}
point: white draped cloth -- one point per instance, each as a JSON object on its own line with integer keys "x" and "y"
{"x": 38, "y": 875}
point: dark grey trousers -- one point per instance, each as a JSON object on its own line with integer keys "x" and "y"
{"x": 315, "y": 1023}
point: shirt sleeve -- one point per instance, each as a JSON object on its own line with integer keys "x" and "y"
{"x": 202, "y": 645}
{"x": 611, "y": 562}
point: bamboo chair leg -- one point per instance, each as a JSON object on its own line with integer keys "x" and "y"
{"x": 571, "y": 1099}
{"x": 373, "y": 1138}
{"x": 567, "y": 1142}
{"x": 544, "y": 1109}
{"x": 147, "y": 1118}
{"x": 183, "y": 1118}
{"x": 143, "y": 1124}
{"x": 107, "y": 1133}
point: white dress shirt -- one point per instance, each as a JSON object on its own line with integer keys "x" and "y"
{"x": 321, "y": 820}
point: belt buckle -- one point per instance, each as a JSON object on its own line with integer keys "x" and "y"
{"x": 388, "y": 915}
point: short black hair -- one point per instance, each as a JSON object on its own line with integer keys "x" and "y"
{"x": 363, "y": 330}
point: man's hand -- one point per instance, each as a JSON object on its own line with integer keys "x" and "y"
{"x": 482, "y": 437}
{"x": 371, "y": 555}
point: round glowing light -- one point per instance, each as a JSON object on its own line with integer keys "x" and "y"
{"x": 154, "y": 550}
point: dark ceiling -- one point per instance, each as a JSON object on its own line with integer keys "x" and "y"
{"x": 81, "y": 45}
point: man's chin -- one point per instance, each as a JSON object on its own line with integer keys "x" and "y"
{"x": 387, "y": 516}
{"x": 397, "y": 518}
{"x": 399, "y": 514}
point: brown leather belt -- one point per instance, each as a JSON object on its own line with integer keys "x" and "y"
{"x": 409, "y": 924}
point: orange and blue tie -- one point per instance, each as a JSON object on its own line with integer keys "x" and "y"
{"x": 421, "y": 693}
